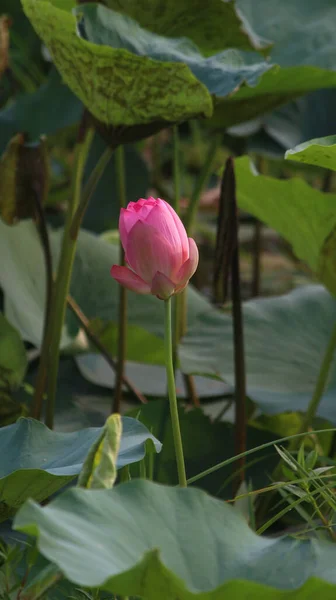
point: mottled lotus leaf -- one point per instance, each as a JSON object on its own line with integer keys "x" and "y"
{"x": 117, "y": 86}
{"x": 213, "y": 25}
{"x": 222, "y": 73}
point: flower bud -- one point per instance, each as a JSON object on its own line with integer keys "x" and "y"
{"x": 159, "y": 255}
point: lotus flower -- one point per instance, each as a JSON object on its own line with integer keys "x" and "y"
{"x": 160, "y": 257}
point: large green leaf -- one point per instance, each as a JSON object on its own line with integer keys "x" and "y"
{"x": 302, "y": 33}
{"x": 161, "y": 542}
{"x": 303, "y": 25}
{"x": 221, "y": 74}
{"x": 13, "y": 359}
{"x": 285, "y": 339}
{"x": 303, "y": 215}
{"x": 277, "y": 86}
{"x": 36, "y": 462}
{"x": 212, "y": 26}
{"x": 320, "y": 152}
{"x": 117, "y": 86}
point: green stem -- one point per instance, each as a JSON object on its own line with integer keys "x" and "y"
{"x": 321, "y": 381}
{"x": 122, "y": 321}
{"x": 90, "y": 187}
{"x": 172, "y": 397}
{"x": 195, "y": 133}
{"x": 40, "y": 383}
{"x": 201, "y": 182}
{"x": 176, "y": 206}
{"x": 64, "y": 271}
{"x": 176, "y": 169}
{"x": 180, "y": 306}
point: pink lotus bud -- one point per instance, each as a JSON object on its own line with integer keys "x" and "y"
{"x": 160, "y": 257}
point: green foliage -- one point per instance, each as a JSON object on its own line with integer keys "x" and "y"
{"x": 285, "y": 338}
{"x": 221, "y": 73}
{"x": 99, "y": 470}
{"x": 320, "y": 152}
{"x": 54, "y": 459}
{"x": 304, "y": 216}
{"x": 160, "y": 552}
{"x": 301, "y": 31}
{"x": 203, "y": 447}
{"x": 129, "y": 69}
{"x": 92, "y": 287}
{"x": 13, "y": 360}
{"x": 213, "y": 27}
{"x": 103, "y": 77}
{"x": 307, "y": 117}
{"x": 102, "y": 213}
{"x": 50, "y": 108}
{"x": 301, "y": 34}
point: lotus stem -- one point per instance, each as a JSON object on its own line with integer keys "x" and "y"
{"x": 62, "y": 284}
{"x": 122, "y": 320}
{"x": 172, "y": 396}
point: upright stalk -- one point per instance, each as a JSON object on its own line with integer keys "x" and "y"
{"x": 257, "y": 242}
{"x": 180, "y": 307}
{"x": 239, "y": 361}
{"x": 176, "y": 206}
{"x": 62, "y": 284}
{"x": 172, "y": 396}
{"x": 226, "y": 262}
{"x": 320, "y": 383}
{"x": 201, "y": 182}
{"x": 122, "y": 320}
{"x": 89, "y": 189}
{"x": 176, "y": 169}
{"x": 190, "y": 224}
{"x": 256, "y": 259}
{"x": 40, "y": 383}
